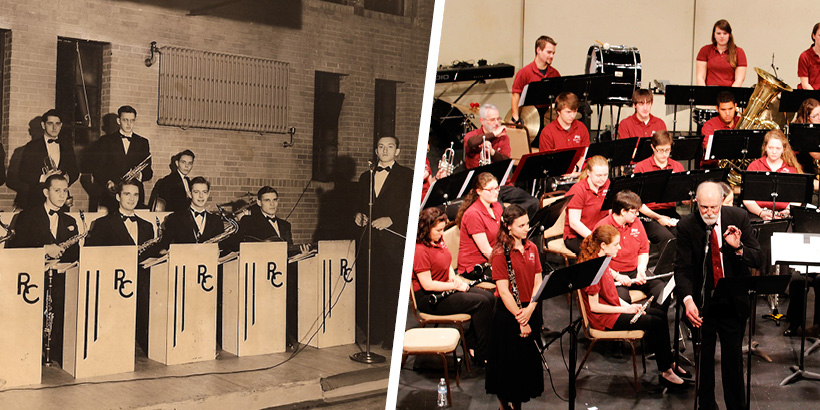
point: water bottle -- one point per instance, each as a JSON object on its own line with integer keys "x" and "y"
{"x": 442, "y": 394}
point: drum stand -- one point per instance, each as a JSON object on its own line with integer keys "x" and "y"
{"x": 367, "y": 356}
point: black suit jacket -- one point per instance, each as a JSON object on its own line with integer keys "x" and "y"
{"x": 180, "y": 227}
{"x": 31, "y": 230}
{"x": 256, "y": 228}
{"x": 112, "y": 162}
{"x": 170, "y": 189}
{"x": 393, "y": 200}
{"x": 32, "y": 161}
{"x": 691, "y": 234}
{"x": 110, "y": 230}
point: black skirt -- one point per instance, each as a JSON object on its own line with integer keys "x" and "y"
{"x": 514, "y": 370}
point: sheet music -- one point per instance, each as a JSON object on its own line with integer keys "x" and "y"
{"x": 667, "y": 290}
{"x": 523, "y": 96}
{"x": 796, "y": 247}
{"x": 708, "y": 151}
{"x": 466, "y": 182}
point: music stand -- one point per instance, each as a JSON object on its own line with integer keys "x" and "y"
{"x": 734, "y": 144}
{"x": 692, "y": 95}
{"x": 776, "y": 187}
{"x": 446, "y": 190}
{"x": 751, "y": 286}
{"x": 541, "y": 165}
{"x": 650, "y": 186}
{"x": 617, "y": 152}
{"x": 684, "y": 149}
{"x": 682, "y": 186}
{"x": 805, "y": 137}
{"x": 563, "y": 281}
{"x": 547, "y": 216}
{"x": 804, "y": 219}
{"x": 587, "y": 87}
{"x": 790, "y": 101}
{"x": 500, "y": 170}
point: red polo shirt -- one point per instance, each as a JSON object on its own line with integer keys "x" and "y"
{"x": 526, "y": 265}
{"x": 554, "y": 136}
{"x": 649, "y": 165}
{"x": 476, "y": 219}
{"x": 761, "y": 164}
{"x": 589, "y": 202}
{"x": 607, "y": 295}
{"x": 713, "y": 125}
{"x": 425, "y": 184}
{"x": 500, "y": 144}
{"x": 718, "y": 69}
{"x": 530, "y": 73}
{"x": 633, "y": 243}
{"x": 631, "y": 127}
{"x": 435, "y": 259}
{"x": 808, "y": 65}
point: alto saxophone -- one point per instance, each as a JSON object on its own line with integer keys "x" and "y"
{"x": 76, "y": 238}
{"x": 485, "y": 158}
{"x": 232, "y": 227}
{"x": 147, "y": 244}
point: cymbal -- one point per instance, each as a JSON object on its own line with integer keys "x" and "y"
{"x": 529, "y": 116}
{"x": 470, "y": 113}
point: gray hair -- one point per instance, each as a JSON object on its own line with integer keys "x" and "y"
{"x": 482, "y": 112}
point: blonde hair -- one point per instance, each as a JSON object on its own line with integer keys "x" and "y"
{"x": 592, "y": 162}
{"x": 788, "y": 155}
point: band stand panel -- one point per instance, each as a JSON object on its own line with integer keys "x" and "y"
{"x": 101, "y": 309}
{"x": 327, "y": 295}
{"x": 22, "y": 294}
{"x": 182, "y": 322}
{"x": 254, "y": 299}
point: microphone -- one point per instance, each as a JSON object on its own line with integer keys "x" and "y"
{"x": 370, "y": 165}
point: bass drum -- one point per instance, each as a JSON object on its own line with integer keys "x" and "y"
{"x": 624, "y": 62}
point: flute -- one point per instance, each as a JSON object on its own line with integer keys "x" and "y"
{"x": 641, "y": 310}
{"x": 648, "y": 278}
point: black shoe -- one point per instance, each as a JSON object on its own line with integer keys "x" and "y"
{"x": 670, "y": 385}
{"x": 682, "y": 373}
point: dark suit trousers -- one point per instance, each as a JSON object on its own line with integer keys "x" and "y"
{"x": 720, "y": 320}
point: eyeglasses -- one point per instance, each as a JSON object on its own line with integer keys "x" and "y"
{"x": 815, "y": 116}
{"x": 663, "y": 150}
{"x": 496, "y": 189}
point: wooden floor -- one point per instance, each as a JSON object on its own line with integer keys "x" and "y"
{"x": 229, "y": 382}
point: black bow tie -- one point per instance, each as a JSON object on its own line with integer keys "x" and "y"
{"x": 202, "y": 214}
{"x": 126, "y": 137}
{"x": 271, "y": 218}
{"x": 388, "y": 168}
{"x": 132, "y": 218}
{"x": 53, "y": 211}
{"x": 53, "y": 141}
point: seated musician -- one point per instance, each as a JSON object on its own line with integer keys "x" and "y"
{"x": 478, "y": 219}
{"x": 124, "y": 227}
{"x": 629, "y": 266}
{"x": 642, "y": 124}
{"x": 777, "y": 157}
{"x": 173, "y": 192}
{"x": 565, "y": 131}
{"x": 193, "y": 224}
{"x": 48, "y": 227}
{"x": 262, "y": 224}
{"x": 584, "y": 209}
{"x": 809, "y": 113}
{"x": 726, "y": 119}
{"x": 659, "y": 225}
{"x": 433, "y": 274}
{"x": 607, "y": 311}
{"x": 539, "y": 69}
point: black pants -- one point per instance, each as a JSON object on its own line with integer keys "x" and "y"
{"x": 650, "y": 288}
{"x": 478, "y": 303}
{"x": 797, "y": 306}
{"x": 514, "y": 195}
{"x": 574, "y": 244}
{"x": 657, "y": 334}
{"x": 721, "y": 320}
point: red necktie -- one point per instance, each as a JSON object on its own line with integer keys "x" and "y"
{"x": 717, "y": 267}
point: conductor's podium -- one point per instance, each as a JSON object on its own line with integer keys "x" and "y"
{"x": 327, "y": 295}
{"x": 254, "y": 299}
{"x": 182, "y": 323}
{"x": 22, "y": 287}
{"x": 100, "y": 312}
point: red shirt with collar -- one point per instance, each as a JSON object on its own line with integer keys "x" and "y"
{"x": 589, "y": 202}
{"x": 554, "y": 136}
{"x": 718, "y": 69}
{"x": 435, "y": 259}
{"x": 476, "y": 219}
{"x": 425, "y": 184}
{"x": 607, "y": 295}
{"x": 526, "y": 265}
{"x": 530, "y": 73}
{"x": 761, "y": 164}
{"x": 633, "y": 243}
{"x": 500, "y": 144}
{"x": 713, "y": 125}
{"x": 649, "y": 165}
{"x": 631, "y": 127}
{"x": 808, "y": 65}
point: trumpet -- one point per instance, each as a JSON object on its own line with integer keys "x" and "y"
{"x": 485, "y": 157}
{"x": 9, "y": 231}
{"x": 446, "y": 162}
{"x": 49, "y": 167}
{"x": 133, "y": 172}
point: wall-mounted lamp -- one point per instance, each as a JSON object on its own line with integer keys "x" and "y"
{"x": 154, "y": 51}
{"x": 286, "y": 144}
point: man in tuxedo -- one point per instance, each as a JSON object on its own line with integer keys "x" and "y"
{"x": 123, "y": 228}
{"x": 192, "y": 224}
{"x": 732, "y": 251}
{"x": 119, "y": 152}
{"x": 47, "y": 226}
{"x": 391, "y": 188}
{"x": 173, "y": 192}
{"x": 42, "y": 157}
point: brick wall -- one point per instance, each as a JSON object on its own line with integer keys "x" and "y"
{"x": 360, "y": 44}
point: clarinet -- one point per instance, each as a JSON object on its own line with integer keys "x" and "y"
{"x": 437, "y": 297}
{"x": 513, "y": 284}
{"x": 48, "y": 315}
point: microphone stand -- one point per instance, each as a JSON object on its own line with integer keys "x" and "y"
{"x": 367, "y": 356}
{"x": 698, "y": 331}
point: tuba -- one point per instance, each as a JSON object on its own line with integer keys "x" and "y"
{"x": 755, "y": 117}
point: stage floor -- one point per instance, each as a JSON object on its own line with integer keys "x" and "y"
{"x": 313, "y": 376}
{"x": 606, "y": 383}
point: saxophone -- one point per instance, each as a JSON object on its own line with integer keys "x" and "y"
{"x": 147, "y": 244}
{"x": 232, "y": 227}
{"x": 76, "y": 238}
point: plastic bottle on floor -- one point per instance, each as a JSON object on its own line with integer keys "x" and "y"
{"x": 442, "y": 394}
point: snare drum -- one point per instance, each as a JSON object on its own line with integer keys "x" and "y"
{"x": 624, "y": 62}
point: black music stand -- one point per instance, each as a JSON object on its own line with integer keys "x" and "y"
{"x": 544, "y": 218}
{"x": 692, "y": 95}
{"x": 804, "y": 219}
{"x": 617, "y": 152}
{"x": 587, "y": 87}
{"x": 751, "y": 286}
{"x": 777, "y": 187}
{"x": 501, "y": 171}
{"x": 684, "y": 149}
{"x": 563, "y": 281}
{"x": 445, "y": 190}
{"x": 734, "y": 144}
{"x": 541, "y": 165}
{"x": 805, "y": 137}
{"x": 682, "y": 186}
{"x": 790, "y": 101}
{"x": 650, "y": 186}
